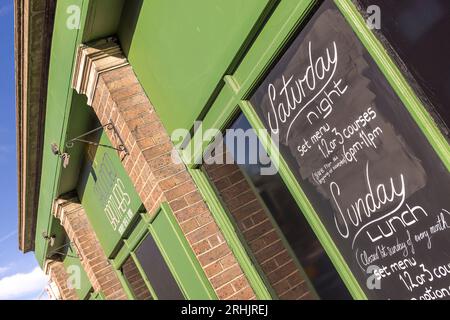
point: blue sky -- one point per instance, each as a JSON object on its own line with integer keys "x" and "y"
{"x": 20, "y": 277}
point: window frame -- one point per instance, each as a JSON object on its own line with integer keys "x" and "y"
{"x": 143, "y": 227}
{"x": 281, "y": 26}
{"x": 94, "y": 295}
{"x": 261, "y": 278}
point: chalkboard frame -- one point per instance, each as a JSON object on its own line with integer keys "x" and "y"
{"x": 252, "y": 70}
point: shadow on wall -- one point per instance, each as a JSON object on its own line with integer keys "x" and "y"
{"x": 130, "y": 16}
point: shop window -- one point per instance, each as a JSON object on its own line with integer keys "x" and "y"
{"x": 157, "y": 271}
{"x": 157, "y": 262}
{"x": 148, "y": 263}
{"x": 278, "y": 237}
{"x": 418, "y": 31}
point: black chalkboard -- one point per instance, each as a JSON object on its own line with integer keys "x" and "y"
{"x": 370, "y": 173}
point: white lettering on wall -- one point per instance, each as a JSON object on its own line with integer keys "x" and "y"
{"x": 117, "y": 208}
{"x": 300, "y": 92}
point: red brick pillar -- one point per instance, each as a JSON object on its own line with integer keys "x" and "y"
{"x": 260, "y": 233}
{"x": 57, "y": 273}
{"x": 114, "y": 92}
{"x": 92, "y": 257}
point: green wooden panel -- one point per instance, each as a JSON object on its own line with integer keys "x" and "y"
{"x": 103, "y": 19}
{"x": 179, "y": 256}
{"x": 73, "y": 268}
{"x": 81, "y": 119}
{"x": 96, "y": 296}
{"x": 180, "y": 49}
{"x": 59, "y": 101}
{"x": 98, "y": 18}
{"x": 107, "y": 194}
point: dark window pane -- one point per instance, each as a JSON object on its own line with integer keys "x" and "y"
{"x": 135, "y": 280}
{"x": 265, "y": 246}
{"x": 291, "y": 222}
{"x": 419, "y": 32}
{"x": 157, "y": 271}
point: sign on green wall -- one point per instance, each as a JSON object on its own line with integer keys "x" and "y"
{"x": 107, "y": 194}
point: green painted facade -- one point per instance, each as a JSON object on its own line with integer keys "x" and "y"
{"x": 180, "y": 50}
{"x": 80, "y": 280}
{"x": 59, "y": 103}
{"x": 176, "y": 251}
{"x": 197, "y": 60}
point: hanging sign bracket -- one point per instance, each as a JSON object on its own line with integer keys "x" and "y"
{"x": 109, "y": 126}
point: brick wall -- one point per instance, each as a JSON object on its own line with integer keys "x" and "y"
{"x": 119, "y": 97}
{"x": 134, "y": 278}
{"x": 57, "y": 273}
{"x": 92, "y": 257}
{"x": 263, "y": 240}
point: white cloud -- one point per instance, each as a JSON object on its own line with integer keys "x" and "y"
{"x": 4, "y": 269}
{"x": 22, "y": 285}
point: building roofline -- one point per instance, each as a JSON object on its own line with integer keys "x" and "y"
{"x": 33, "y": 24}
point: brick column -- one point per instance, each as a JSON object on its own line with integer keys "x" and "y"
{"x": 57, "y": 273}
{"x": 99, "y": 271}
{"x": 116, "y": 95}
{"x": 259, "y": 232}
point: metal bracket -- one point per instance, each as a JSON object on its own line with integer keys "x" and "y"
{"x": 61, "y": 253}
{"x": 65, "y": 157}
{"x": 49, "y": 238}
{"x": 109, "y": 126}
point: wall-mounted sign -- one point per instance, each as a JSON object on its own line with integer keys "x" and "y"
{"x": 107, "y": 194}
{"x": 370, "y": 173}
{"x": 110, "y": 190}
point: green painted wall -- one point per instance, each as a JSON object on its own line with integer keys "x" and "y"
{"x": 65, "y": 116}
{"x": 59, "y": 101}
{"x": 181, "y": 49}
{"x": 103, "y": 19}
{"x": 75, "y": 271}
{"x": 180, "y": 257}
{"x": 81, "y": 119}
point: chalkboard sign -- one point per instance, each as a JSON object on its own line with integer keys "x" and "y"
{"x": 371, "y": 175}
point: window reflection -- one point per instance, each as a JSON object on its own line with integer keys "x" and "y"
{"x": 276, "y": 198}
{"x": 157, "y": 270}
{"x": 419, "y": 32}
